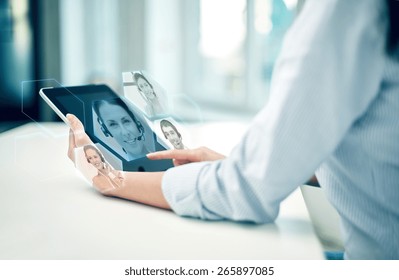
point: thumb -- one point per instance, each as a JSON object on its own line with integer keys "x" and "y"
{"x": 78, "y": 130}
{"x": 74, "y": 123}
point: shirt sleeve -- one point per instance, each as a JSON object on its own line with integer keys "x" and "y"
{"x": 328, "y": 73}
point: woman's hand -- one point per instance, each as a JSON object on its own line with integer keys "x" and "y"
{"x": 77, "y": 135}
{"x": 181, "y": 157}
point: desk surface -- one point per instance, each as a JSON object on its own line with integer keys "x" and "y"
{"x": 48, "y": 212}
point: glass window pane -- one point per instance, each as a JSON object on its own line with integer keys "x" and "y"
{"x": 221, "y": 46}
{"x": 234, "y": 52}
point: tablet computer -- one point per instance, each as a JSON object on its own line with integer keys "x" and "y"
{"x": 118, "y": 129}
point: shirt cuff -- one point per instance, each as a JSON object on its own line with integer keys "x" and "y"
{"x": 181, "y": 190}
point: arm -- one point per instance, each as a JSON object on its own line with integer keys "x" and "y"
{"x": 145, "y": 187}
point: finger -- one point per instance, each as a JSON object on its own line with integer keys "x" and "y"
{"x": 72, "y": 145}
{"x": 75, "y": 123}
{"x": 168, "y": 154}
{"x": 172, "y": 154}
{"x": 79, "y": 133}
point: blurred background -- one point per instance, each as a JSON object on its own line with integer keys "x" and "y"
{"x": 212, "y": 55}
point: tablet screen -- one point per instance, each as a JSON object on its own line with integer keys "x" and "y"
{"x": 115, "y": 125}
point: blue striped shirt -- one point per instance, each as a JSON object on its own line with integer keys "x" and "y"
{"x": 334, "y": 108}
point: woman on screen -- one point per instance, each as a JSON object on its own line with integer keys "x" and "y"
{"x": 107, "y": 178}
{"x": 153, "y": 106}
{"x": 116, "y": 120}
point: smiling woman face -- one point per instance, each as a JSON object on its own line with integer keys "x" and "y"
{"x": 94, "y": 158}
{"x": 122, "y": 127}
{"x": 146, "y": 88}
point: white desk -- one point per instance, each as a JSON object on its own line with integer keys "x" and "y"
{"x": 48, "y": 212}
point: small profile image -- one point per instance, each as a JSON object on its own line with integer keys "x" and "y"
{"x": 171, "y": 133}
{"x": 106, "y": 177}
{"x": 144, "y": 94}
{"x": 117, "y": 126}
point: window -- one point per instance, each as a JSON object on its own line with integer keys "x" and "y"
{"x": 230, "y": 57}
